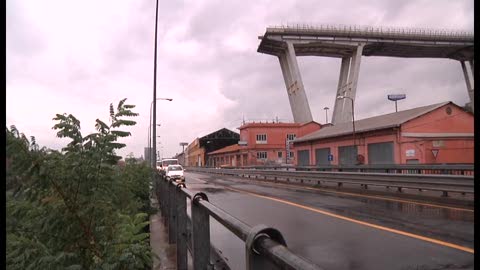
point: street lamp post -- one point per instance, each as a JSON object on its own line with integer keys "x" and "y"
{"x": 149, "y": 136}
{"x": 326, "y": 114}
{"x": 154, "y": 130}
{"x": 396, "y": 98}
{"x": 353, "y": 118}
{"x": 154, "y": 101}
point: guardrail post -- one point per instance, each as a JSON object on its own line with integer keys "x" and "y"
{"x": 181, "y": 206}
{"x": 254, "y": 260}
{"x": 201, "y": 233}
{"x": 172, "y": 215}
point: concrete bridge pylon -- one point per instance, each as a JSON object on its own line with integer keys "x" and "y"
{"x": 347, "y": 86}
{"x": 294, "y": 84}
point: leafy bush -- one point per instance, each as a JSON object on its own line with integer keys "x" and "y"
{"x": 75, "y": 208}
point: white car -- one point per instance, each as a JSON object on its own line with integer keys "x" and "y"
{"x": 175, "y": 173}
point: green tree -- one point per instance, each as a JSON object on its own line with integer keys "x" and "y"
{"x": 74, "y": 208}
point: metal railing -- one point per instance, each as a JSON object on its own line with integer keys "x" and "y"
{"x": 265, "y": 246}
{"x": 390, "y": 32}
{"x": 443, "y": 183}
{"x": 452, "y": 169}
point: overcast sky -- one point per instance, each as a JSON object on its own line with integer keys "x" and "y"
{"x": 66, "y": 56}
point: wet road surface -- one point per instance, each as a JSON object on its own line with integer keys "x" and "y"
{"x": 339, "y": 231}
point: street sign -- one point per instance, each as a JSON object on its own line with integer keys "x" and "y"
{"x": 330, "y": 157}
{"x": 396, "y": 97}
{"x": 435, "y": 152}
{"x": 242, "y": 143}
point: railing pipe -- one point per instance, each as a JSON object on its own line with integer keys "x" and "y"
{"x": 182, "y": 234}
{"x": 201, "y": 233}
{"x": 172, "y": 215}
{"x": 281, "y": 256}
{"x": 237, "y": 227}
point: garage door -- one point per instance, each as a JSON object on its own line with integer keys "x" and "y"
{"x": 380, "y": 153}
{"x": 347, "y": 155}
{"x": 303, "y": 157}
{"x": 321, "y": 156}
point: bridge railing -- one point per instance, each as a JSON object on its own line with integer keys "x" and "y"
{"x": 265, "y": 246}
{"x": 460, "y": 169}
{"x": 444, "y": 184}
{"x": 378, "y": 32}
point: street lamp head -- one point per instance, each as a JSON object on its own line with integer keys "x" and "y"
{"x": 169, "y": 99}
{"x": 326, "y": 108}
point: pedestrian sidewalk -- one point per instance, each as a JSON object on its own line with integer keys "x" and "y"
{"x": 159, "y": 242}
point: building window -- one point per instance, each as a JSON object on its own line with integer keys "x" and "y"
{"x": 291, "y": 137}
{"x": 261, "y": 138}
{"x": 280, "y": 154}
{"x": 291, "y": 154}
{"x": 261, "y": 155}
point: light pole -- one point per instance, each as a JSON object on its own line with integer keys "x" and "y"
{"x": 326, "y": 114}
{"x": 149, "y": 136}
{"x": 154, "y": 101}
{"x": 353, "y": 118}
{"x": 154, "y": 130}
{"x": 396, "y": 98}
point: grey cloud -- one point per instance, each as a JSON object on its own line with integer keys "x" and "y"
{"x": 23, "y": 38}
{"x": 252, "y": 80}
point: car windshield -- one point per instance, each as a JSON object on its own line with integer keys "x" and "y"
{"x": 174, "y": 168}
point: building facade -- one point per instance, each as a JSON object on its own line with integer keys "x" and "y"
{"x": 262, "y": 144}
{"x": 196, "y": 152}
{"x": 436, "y": 134}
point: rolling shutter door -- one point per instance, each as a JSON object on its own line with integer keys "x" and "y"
{"x": 347, "y": 155}
{"x": 321, "y": 156}
{"x": 380, "y": 153}
{"x": 303, "y": 157}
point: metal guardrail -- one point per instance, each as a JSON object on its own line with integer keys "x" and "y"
{"x": 265, "y": 246}
{"x": 453, "y": 169}
{"x": 444, "y": 183}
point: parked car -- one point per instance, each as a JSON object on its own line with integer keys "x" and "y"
{"x": 175, "y": 173}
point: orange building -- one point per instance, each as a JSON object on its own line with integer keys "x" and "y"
{"x": 196, "y": 152}
{"x": 262, "y": 144}
{"x": 435, "y": 134}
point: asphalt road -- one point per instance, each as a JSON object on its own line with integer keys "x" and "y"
{"x": 337, "y": 230}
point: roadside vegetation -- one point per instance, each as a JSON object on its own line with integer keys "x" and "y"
{"x": 76, "y": 208}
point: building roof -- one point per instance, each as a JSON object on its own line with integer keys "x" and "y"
{"x": 223, "y": 133}
{"x": 230, "y": 148}
{"x": 369, "y": 124}
{"x": 273, "y": 124}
